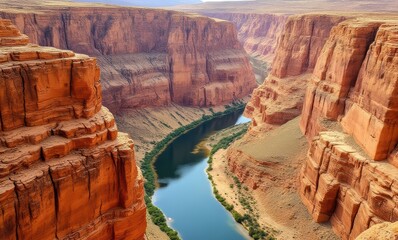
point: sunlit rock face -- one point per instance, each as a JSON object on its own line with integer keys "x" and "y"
{"x": 65, "y": 172}
{"x": 150, "y": 57}
{"x": 280, "y": 98}
{"x": 349, "y": 118}
{"x": 259, "y": 33}
{"x": 340, "y": 73}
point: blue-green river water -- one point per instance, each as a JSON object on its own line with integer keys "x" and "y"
{"x": 185, "y": 195}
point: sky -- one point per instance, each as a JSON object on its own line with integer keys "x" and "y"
{"x": 225, "y": 0}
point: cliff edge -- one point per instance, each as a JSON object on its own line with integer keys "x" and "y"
{"x": 148, "y": 57}
{"x": 349, "y": 118}
{"x": 65, "y": 172}
{"x": 340, "y": 73}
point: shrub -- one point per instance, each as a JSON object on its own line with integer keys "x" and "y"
{"x": 238, "y": 218}
{"x": 149, "y": 174}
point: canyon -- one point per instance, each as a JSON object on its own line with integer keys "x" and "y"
{"x": 66, "y": 172}
{"x": 320, "y": 157}
{"x": 166, "y": 60}
{"x": 338, "y": 71}
{"x": 148, "y": 57}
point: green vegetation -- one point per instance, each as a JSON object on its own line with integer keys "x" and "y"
{"x": 149, "y": 173}
{"x": 247, "y": 220}
{"x": 159, "y": 219}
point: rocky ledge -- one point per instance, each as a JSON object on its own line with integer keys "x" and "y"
{"x": 341, "y": 74}
{"x": 280, "y": 98}
{"x": 65, "y": 171}
{"x": 352, "y": 93}
{"x": 149, "y": 57}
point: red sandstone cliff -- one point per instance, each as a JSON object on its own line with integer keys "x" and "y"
{"x": 348, "y": 69}
{"x": 65, "y": 171}
{"x": 347, "y": 178}
{"x": 149, "y": 57}
{"x": 259, "y": 33}
{"x": 280, "y": 98}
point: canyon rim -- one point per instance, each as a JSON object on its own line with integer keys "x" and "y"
{"x": 318, "y": 80}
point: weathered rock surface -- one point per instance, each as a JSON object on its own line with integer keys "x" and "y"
{"x": 336, "y": 72}
{"x": 386, "y": 231}
{"x": 349, "y": 176}
{"x": 65, "y": 171}
{"x": 341, "y": 184}
{"x": 301, "y": 42}
{"x": 160, "y": 55}
{"x": 358, "y": 85}
{"x": 280, "y": 98}
{"x": 348, "y": 68}
{"x": 259, "y": 33}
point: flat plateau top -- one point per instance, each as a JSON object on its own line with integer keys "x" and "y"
{"x": 295, "y": 6}
{"x": 389, "y": 7}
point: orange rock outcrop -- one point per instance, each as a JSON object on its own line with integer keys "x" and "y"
{"x": 149, "y": 57}
{"x": 341, "y": 74}
{"x": 65, "y": 170}
{"x": 280, "y": 98}
{"x": 349, "y": 117}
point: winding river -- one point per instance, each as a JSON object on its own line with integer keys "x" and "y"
{"x": 185, "y": 195}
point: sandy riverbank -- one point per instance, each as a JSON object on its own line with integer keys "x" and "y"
{"x": 150, "y": 125}
{"x": 275, "y": 203}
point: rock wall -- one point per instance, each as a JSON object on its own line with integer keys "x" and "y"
{"x": 280, "y": 98}
{"x": 161, "y": 55}
{"x": 259, "y": 33}
{"x": 65, "y": 171}
{"x": 301, "y": 42}
{"x": 341, "y": 74}
{"x": 361, "y": 93}
{"x": 349, "y": 117}
{"x": 387, "y": 231}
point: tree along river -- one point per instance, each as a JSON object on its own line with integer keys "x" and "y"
{"x": 185, "y": 195}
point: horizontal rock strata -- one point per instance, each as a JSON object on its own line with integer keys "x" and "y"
{"x": 280, "y": 98}
{"x": 349, "y": 176}
{"x": 341, "y": 74}
{"x": 65, "y": 171}
{"x": 160, "y": 55}
{"x": 259, "y": 33}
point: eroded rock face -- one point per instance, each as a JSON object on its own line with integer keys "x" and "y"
{"x": 387, "y": 231}
{"x": 349, "y": 177}
{"x": 280, "y": 98}
{"x": 336, "y": 72}
{"x": 160, "y": 55}
{"x": 301, "y": 42}
{"x": 341, "y": 184}
{"x": 362, "y": 92}
{"x": 348, "y": 69}
{"x": 259, "y": 33}
{"x": 65, "y": 171}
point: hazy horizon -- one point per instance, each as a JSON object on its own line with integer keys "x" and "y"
{"x": 157, "y": 3}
